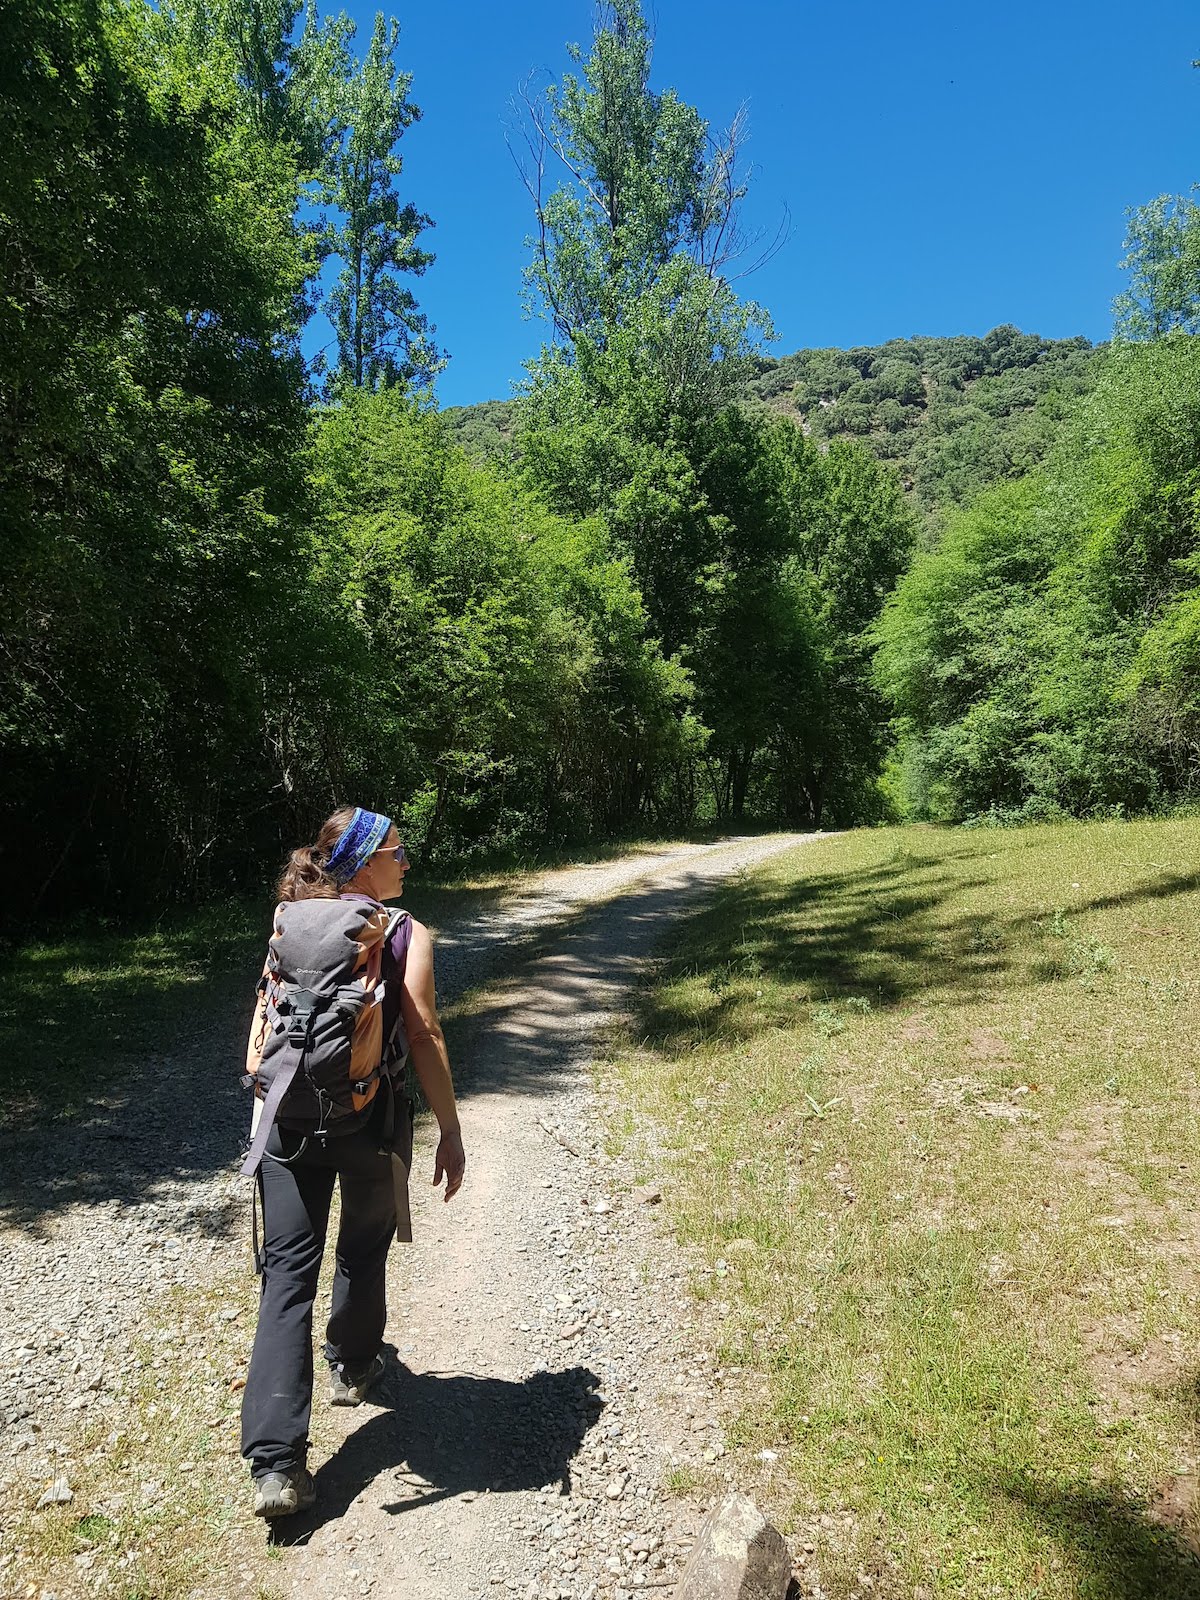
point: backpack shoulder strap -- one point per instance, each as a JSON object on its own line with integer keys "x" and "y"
{"x": 298, "y": 1035}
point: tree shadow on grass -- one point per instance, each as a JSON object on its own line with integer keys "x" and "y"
{"x": 120, "y": 1060}
{"x": 444, "y": 1434}
{"x": 875, "y": 934}
{"x": 888, "y": 934}
{"x": 172, "y": 1113}
{"x": 1117, "y": 1547}
{"x": 120, "y": 1065}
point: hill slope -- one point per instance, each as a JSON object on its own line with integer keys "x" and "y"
{"x": 953, "y": 413}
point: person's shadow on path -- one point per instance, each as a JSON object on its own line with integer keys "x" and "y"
{"x": 448, "y": 1434}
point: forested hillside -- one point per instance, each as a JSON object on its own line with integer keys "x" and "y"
{"x": 487, "y": 431}
{"x": 951, "y": 414}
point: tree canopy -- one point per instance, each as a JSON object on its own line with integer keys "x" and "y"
{"x": 674, "y": 581}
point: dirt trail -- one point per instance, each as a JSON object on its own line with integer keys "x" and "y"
{"x": 519, "y": 1443}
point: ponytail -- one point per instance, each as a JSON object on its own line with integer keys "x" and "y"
{"x": 305, "y": 876}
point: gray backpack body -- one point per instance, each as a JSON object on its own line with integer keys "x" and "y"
{"x": 324, "y": 1052}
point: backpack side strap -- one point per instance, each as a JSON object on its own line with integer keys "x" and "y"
{"x": 299, "y": 1035}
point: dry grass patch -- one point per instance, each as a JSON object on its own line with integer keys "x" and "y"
{"x": 944, "y": 1084}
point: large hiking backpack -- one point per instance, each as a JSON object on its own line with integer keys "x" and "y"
{"x": 324, "y": 1052}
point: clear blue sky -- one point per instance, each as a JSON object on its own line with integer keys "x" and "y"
{"x": 947, "y": 166}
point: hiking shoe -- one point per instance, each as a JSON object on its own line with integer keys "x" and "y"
{"x": 350, "y": 1388}
{"x": 282, "y": 1494}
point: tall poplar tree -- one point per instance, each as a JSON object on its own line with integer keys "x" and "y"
{"x": 636, "y": 204}
{"x": 382, "y": 335}
{"x": 1163, "y": 263}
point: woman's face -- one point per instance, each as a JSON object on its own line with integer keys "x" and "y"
{"x": 388, "y": 867}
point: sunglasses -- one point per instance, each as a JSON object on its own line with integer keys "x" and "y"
{"x": 396, "y": 850}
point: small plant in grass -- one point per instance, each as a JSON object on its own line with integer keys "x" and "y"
{"x": 721, "y": 978}
{"x": 94, "y": 1527}
{"x": 1084, "y": 958}
{"x": 681, "y": 1480}
{"x": 827, "y": 1021}
{"x": 618, "y": 1130}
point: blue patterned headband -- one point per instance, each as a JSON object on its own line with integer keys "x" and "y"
{"x": 363, "y": 835}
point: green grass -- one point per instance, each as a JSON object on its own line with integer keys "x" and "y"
{"x": 77, "y": 1010}
{"x": 926, "y": 1103}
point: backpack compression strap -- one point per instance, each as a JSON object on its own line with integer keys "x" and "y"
{"x": 298, "y": 1036}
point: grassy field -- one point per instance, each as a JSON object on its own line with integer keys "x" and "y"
{"x": 926, "y": 1103}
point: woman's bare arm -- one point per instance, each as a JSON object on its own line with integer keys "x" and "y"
{"x": 427, "y": 1052}
{"x": 258, "y": 1029}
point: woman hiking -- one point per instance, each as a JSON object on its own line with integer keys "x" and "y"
{"x": 347, "y": 994}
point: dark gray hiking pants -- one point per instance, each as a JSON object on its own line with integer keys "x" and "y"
{"x": 277, "y": 1404}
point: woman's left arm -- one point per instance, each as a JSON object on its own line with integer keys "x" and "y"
{"x": 427, "y": 1052}
{"x": 258, "y": 1028}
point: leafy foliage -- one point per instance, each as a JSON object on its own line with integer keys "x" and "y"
{"x": 508, "y": 684}
{"x": 741, "y": 539}
{"x": 953, "y": 414}
{"x": 653, "y": 590}
{"x": 486, "y": 431}
{"x": 646, "y": 214}
{"x": 382, "y": 336}
{"x": 1041, "y": 656}
{"x": 152, "y": 408}
{"x": 1164, "y": 270}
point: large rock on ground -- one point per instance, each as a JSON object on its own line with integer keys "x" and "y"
{"x": 738, "y": 1555}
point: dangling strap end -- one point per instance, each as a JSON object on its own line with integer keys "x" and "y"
{"x": 255, "y": 1243}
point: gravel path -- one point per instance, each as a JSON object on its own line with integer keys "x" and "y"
{"x": 543, "y": 1384}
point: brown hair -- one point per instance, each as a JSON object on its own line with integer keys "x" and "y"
{"x": 305, "y": 877}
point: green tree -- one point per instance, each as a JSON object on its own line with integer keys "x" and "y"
{"x": 257, "y": 36}
{"x": 289, "y": 74}
{"x": 762, "y": 565}
{"x": 851, "y": 533}
{"x": 382, "y": 335}
{"x": 151, "y": 407}
{"x": 1163, "y": 263}
{"x": 638, "y": 234}
{"x": 1041, "y": 656}
{"x": 510, "y": 688}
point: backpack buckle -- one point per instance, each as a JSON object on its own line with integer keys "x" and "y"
{"x": 299, "y": 1022}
